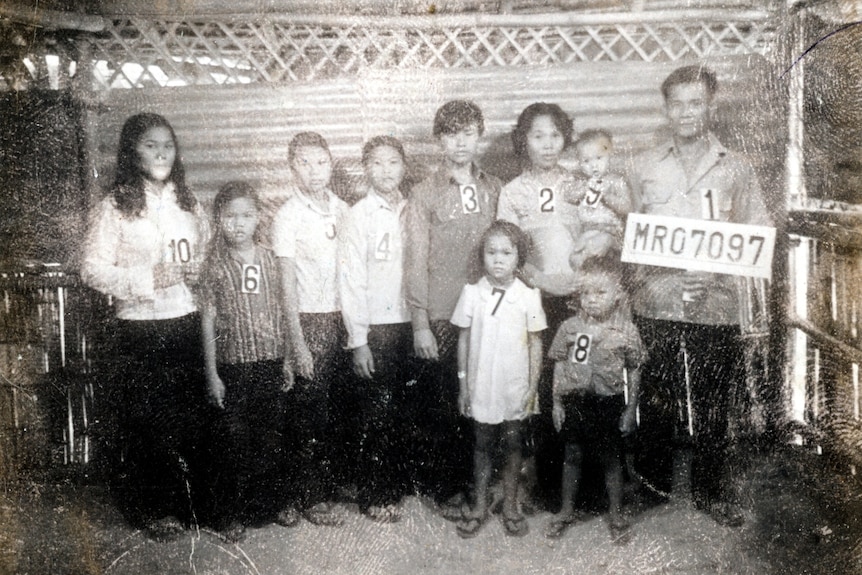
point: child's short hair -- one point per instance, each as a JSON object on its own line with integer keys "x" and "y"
{"x": 455, "y": 115}
{"x": 591, "y": 136}
{"x": 693, "y": 74}
{"x": 305, "y": 140}
{"x": 231, "y": 191}
{"x": 505, "y": 228}
{"x": 608, "y": 263}
{"x": 378, "y": 141}
{"x": 525, "y": 121}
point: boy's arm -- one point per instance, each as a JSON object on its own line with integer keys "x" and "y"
{"x": 534, "y": 347}
{"x": 416, "y": 274}
{"x": 628, "y": 423}
{"x": 294, "y": 338}
{"x": 619, "y": 198}
{"x": 215, "y": 386}
{"x": 463, "y": 386}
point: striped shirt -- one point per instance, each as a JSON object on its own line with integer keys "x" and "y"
{"x": 246, "y": 299}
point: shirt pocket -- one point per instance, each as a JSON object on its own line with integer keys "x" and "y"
{"x": 655, "y": 192}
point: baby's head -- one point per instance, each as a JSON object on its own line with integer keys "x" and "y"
{"x": 503, "y": 250}
{"x": 601, "y": 290}
{"x": 594, "y": 149}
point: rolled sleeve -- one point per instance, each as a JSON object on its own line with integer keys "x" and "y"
{"x": 417, "y": 232}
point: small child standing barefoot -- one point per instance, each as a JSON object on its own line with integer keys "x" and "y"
{"x": 590, "y": 409}
{"x": 499, "y": 362}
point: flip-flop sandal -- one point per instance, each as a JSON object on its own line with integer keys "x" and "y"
{"x": 558, "y": 527}
{"x": 453, "y": 512}
{"x": 515, "y": 526}
{"x": 322, "y": 515}
{"x": 288, "y": 517}
{"x": 469, "y": 527}
{"x": 165, "y": 529}
{"x": 383, "y": 513}
{"x": 620, "y": 531}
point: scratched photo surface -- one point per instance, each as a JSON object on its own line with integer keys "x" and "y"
{"x": 84, "y": 429}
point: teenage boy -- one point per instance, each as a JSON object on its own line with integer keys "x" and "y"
{"x": 689, "y": 321}
{"x": 445, "y": 218}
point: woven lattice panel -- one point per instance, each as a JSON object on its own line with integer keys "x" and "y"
{"x": 137, "y": 53}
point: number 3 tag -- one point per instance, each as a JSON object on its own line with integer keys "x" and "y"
{"x": 250, "y": 278}
{"x": 580, "y": 352}
{"x": 469, "y": 199}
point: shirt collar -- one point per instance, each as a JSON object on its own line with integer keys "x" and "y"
{"x": 443, "y": 176}
{"x": 312, "y": 205}
{"x": 715, "y": 148}
{"x": 380, "y": 202}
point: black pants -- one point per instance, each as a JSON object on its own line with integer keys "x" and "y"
{"x": 716, "y": 367}
{"x": 159, "y": 398}
{"x": 248, "y": 443}
{"x": 381, "y": 435}
{"x": 444, "y": 464}
{"x": 313, "y": 410}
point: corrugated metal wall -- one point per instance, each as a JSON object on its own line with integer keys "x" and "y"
{"x": 242, "y": 131}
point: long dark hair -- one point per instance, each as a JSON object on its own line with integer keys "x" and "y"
{"x": 525, "y": 121}
{"x": 226, "y": 194}
{"x": 128, "y": 188}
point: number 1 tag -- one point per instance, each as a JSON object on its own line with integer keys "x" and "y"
{"x": 250, "y": 278}
{"x": 469, "y": 199}
{"x": 708, "y": 203}
{"x": 580, "y": 352}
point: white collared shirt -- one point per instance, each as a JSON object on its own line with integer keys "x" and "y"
{"x": 308, "y": 234}
{"x": 371, "y": 267}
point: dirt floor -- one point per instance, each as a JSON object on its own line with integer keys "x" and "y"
{"x": 801, "y": 518}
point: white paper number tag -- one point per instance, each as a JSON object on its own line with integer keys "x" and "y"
{"x": 709, "y": 203}
{"x": 383, "y": 249}
{"x": 250, "y": 278}
{"x": 547, "y": 200}
{"x": 469, "y": 199}
{"x": 580, "y": 351}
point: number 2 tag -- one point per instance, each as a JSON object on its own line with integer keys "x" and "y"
{"x": 469, "y": 199}
{"x": 250, "y": 278}
{"x": 580, "y": 352}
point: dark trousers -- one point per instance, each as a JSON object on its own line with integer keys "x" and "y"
{"x": 715, "y": 359}
{"x": 444, "y": 464}
{"x": 313, "y": 410}
{"x": 158, "y": 397}
{"x": 248, "y": 443}
{"x": 380, "y": 426}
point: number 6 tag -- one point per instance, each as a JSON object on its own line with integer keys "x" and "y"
{"x": 469, "y": 199}
{"x": 250, "y": 278}
{"x": 580, "y": 352}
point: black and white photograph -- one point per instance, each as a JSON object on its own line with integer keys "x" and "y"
{"x": 404, "y": 287}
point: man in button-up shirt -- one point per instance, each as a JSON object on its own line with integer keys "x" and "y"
{"x": 688, "y": 320}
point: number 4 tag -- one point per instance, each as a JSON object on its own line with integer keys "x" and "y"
{"x": 250, "y": 278}
{"x": 580, "y": 352}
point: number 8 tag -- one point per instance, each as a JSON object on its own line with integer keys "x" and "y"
{"x": 580, "y": 352}
{"x": 469, "y": 199}
{"x": 250, "y": 278}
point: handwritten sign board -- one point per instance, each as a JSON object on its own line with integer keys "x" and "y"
{"x": 699, "y": 245}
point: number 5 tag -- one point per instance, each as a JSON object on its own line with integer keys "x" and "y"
{"x": 250, "y": 278}
{"x": 469, "y": 199}
{"x": 580, "y": 352}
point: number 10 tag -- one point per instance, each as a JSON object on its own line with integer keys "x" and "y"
{"x": 250, "y": 278}
{"x": 580, "y": 352}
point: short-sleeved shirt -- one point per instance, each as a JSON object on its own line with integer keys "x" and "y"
{"x": 247, "y": 302}
{"x": 308, "y": 234}
{"x": 723, "y": 187}
{"x": 539, "y": 209}
{"x": 593, "y": 213}
{"x": 591, "y": 356}
{"x": 121, "y": 253}
{"x": 371, "y": 267}
{"x": 498, "y": 361}
{"x": 444, "y": 223}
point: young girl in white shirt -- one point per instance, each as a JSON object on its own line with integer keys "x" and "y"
{"x": 499, "y": 362}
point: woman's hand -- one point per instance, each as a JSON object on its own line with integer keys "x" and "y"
{"x": 304, "y": 361}
{"x": 216, "y": 391}
{"x": 166, "y": 275}
{"x": 287, "y": 372}
{"x": 424, "y": 344}
{"x": 363, "y": 362}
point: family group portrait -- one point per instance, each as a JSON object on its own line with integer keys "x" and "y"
{"x": 402, "y": 287}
